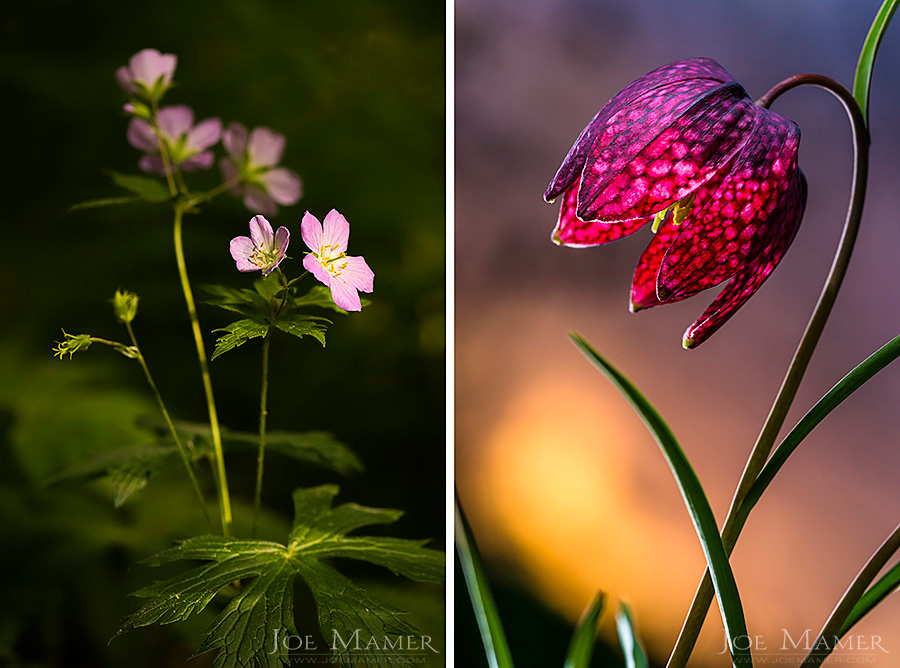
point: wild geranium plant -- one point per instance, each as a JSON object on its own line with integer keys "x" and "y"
{"x": 686, "y": 151}
{"x": 252, "y": 580}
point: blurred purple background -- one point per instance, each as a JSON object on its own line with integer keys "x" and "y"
{"x": 565, "y": 489}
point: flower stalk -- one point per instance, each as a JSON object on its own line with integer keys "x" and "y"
{"x": 171, "y": 425}
{"x": 263, "y": 412}
{"x": 734, "y": 522}
{"x": 221, "y": 477}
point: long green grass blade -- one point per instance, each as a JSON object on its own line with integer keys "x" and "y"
{"x": 887, "y": 585}
{"x": 635, "y": 656}
{"x": 495, "y": 645}
{"x": 835, "y": 396}
{"x": 863, "y": 79}
{"x": 581, "y": 647}
{"x": 825, "y": 643}
{"x": 695, "y": 500}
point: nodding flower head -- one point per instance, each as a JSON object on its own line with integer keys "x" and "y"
{"x": 685, "y": 149}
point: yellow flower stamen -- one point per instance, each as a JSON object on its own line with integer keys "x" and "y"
{"x": 680, "y": 211}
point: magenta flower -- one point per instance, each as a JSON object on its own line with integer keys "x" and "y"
{"x": 262, "y": 249}
{"x": 329, "y": 262}
{"x": 252, "y": 166}
{"x": 148, "y": 74}
{"x": 185, "y": 142}
{"x": 686, "y": 148}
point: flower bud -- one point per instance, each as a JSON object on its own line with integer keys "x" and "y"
{"x": 125, "y": 305}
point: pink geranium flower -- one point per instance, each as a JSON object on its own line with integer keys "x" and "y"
{"x": 185, "y": 142}
{"x": 262, "y": 249}
{"x": 330, "y": 263}
{"x": 252, "y": 164}
{"x": 148, "y": 74}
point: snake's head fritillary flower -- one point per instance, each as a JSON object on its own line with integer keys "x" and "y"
{"x": 186, "y": 144}
{"x": 252, "y": 166}
{"x": 262, "y": 249}
{"x": 686, "y": 149}
{"x": 329, "y": 262}
{"x": 148, "y": 74}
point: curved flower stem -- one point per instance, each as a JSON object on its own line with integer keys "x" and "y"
{"x": 163, "y": 151}
{"x": 221, "y": 478}
{"x": 263, "y": 411}
{"x": 734, "y": 522}
{"x": 165, "y": 413}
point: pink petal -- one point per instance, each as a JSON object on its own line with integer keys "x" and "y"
{"x": 261, "y": 233}
{"x": 147, "y": 66}
{"x": 282, "y": 239}
{"x": 311, "y": 233}
{"x": 680, "y": 71}
{"x": 573, "y": 232}
{"x": 235, "y": 140}
{"x": 734, "y": 225}
{"x": 643, "y": 286}
{"x": 661, "y": 150}
{"x": 256, "y": 199}
{"x": 175, "y": 121}
{"x": 265, "y": 147}
{"x": 336, "y": 232}
{"x": 152, "y": 164}
{"x": 141, "y": 136}
{"x": 204, "y": 134}
{"x": 229, "y": 173}
{"x": 242, "y": 250}
{"x": 123, "y": 78}
{"x": 356, "y": 272}
{"x": 345, "y": 295}
{"x": 312, "y": 265}
{"x": 169, "y": 61}
{"x": 745, "y": 283}
{"x": 197, "y": 162}
{"x": 283, "y": 185}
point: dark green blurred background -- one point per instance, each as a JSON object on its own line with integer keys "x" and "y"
{"x": 358, "y": 89}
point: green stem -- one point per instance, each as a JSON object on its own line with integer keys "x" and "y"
{"x": 775, "y": 420}
{"x": 263, "y": 411}
{"x": 221, "y": 478}
{"x": 165, "y": 413}
{"x": 219, "y": 189}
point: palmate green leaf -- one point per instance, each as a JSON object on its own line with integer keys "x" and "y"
{"x": 581, "y": 647}
{"x": 863, "y": 79}
{"x": 99, "y": 203}
{"x": 248, "y": 303}
{"x": 321, "y": 296}
{"x": 303, "y": 325}
{"x": 145, "y": 187}
{"x": 632, "y": 650}
{"x": 130, "y": 469}
{"x": 495, "y": 645}
{"x": 357, "y": 627}
{"x": 237, "y": 334}
{"x": 695, "y": 500}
